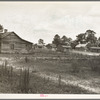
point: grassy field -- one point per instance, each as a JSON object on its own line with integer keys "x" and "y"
{"x": 12, "y": 81}
{"x": 78, "y": 73}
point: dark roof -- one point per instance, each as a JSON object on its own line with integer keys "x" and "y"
{"x": 3, "y": 35}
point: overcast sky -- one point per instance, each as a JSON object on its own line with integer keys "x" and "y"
{"x": 35, "y": 20}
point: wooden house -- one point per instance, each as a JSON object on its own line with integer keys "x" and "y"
{"x": 95, "y": 49}
{"x": 10, "y": 42}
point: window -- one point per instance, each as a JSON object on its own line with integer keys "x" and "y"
{"x": 12, "y": 46}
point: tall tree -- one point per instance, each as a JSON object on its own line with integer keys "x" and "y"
{"x": 98, "y": 42}
{"x": 81, "y": 38}
{"x": 49, "y": 46}
{"x": 90, "y": 36}
{"x": 69, "y": 39}
{"x": 99, "y": 39}
{"x": 56, "y": 40}
{"x": 74, "y": 44}
{"x": 1, "y": 28}
{"x": 40, "y": 41}
{"x": 87, "y": 37}
{"x": 65, "y": 40}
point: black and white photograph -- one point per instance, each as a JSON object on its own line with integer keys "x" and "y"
{"x": 49, "y": 47}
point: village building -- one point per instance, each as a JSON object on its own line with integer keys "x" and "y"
{"x": 10, "y": 42}
{"x": 82, "y": 47}
{"x": 95, "y": 49}
{"x": 51, "y": 47}
{"x": 39, "y": 46}
{"x": 66, "y": 48}
{"x": 63, "y": 48}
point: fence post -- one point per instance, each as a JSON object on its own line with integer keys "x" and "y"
{"x": 26, "y": 59}
{"x": 2, "y": 72}
{"x": 20, "y": 78}
{"x": 59, "y": 80}
{"x": 8, "y": 74}
{"x": 5, "y": 67}
{"x": 11, "y": 74}
{"x": 48, "y": 79}
{"x": 44, "y": 79}
{"x": 26, "y": 81}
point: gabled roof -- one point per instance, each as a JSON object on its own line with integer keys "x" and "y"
{"x": 3, "y": 35}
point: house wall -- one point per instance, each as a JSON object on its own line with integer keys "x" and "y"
{"x": 13, "y": 44}
{"x": 95, "y": 50}
{"x": 80, "y": 48}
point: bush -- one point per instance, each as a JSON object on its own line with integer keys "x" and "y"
{"x": 24, "y": 81}
{"x": 75, "y": 66}
{"x": 94, "y": 64}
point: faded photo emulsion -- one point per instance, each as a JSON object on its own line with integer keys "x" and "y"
{"x": 50, "y": 48}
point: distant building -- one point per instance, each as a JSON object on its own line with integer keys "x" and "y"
{"x": 40, "y": 45}
{"x": 82, "y": 47}
{"x": 48, "y": 46}
{"x": 10, "y": 42}
{"x": 63, "y": 48}
{"x": 54, "y": 47}
{"x": 51, "y": 47}
{"x": 66, "y": 48}
{"x": 95, "y": 49}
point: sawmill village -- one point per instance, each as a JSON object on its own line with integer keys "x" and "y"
{"x": 49, "y": 68}
{"x": 10, "y": 42}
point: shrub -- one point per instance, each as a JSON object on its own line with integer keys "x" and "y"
{"x": 24, "y": 81}
{"x": 94, "y": 64}
{"x": 75, "y": 66}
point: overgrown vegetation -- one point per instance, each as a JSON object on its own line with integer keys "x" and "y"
{"x": 24, "y": 81}
{"x": 92, "y": 63}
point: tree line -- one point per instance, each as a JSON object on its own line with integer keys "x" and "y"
{"x": 87, "y": 37}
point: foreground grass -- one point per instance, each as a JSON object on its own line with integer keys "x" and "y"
{"x": 40, "y": 85}
{"x": 46, "y": 86}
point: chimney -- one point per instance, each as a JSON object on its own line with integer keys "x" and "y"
{"x": 5, "y": 30}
